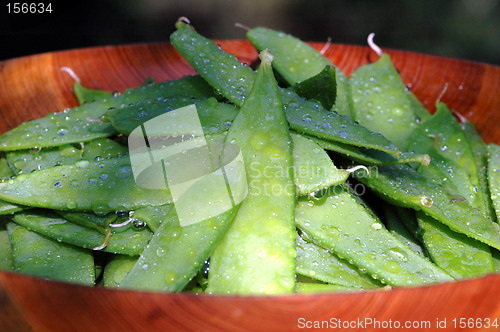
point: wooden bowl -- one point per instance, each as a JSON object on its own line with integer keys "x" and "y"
{"x": 31, "y": 87}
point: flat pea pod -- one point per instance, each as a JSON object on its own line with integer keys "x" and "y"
{"x": 304, "y": 116}
{"x": 215, "y": 117}
{"x": 320, "y": 264}
{"x": 104, "y": 186}
{"x": 494, "y": 176}
{"x": 176, "y": 253}
{"x": 496, "y": 259}
{"x": 83, "y": 123}
{"x": 380, "y": 101}
{"x": 27, "y": 161}
{"x": 6, "y": 174}
{"x": 40, "y": 256}
{"x": 296, "y": 61}
{"x": 88, "y": 219}
{"x": 322, "y": 87}
{"x": 103, "y": 148}
{"x": 86, "y": 95}
{"x": 339, "y": 223}
{"x": 479, "y": 151}
{"x": 257, "y": 254}
{"x": 6, "y": 258}
{"x": 313, "y": 168}
{"x": 314, "y": 288}
{"x": 152, "y": 216}
{"x": 117, "y": 269}
{"x": 457, "y": 254}
{"x": 122, "y": 241}
{"x": 404, "y": 186}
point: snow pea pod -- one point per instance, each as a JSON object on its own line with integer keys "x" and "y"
{"x": 322, "y": 87}
{"x": 126, "y": 242}
{"x": 27, "y": 161}
{"x": 257, "y": 254}
{"x": 494, "y": 176}
{"x": 86, "y": 95}
{"x": 83, "y": 123}
{"x": 152, "y": 216}
{"x": 37, "y": 255}
{"x": 103, "y": 148}
{"x": 339, "y": 223}
{"x": 404, "y": 186}
{"x": 214, "y": 117}
{"x": 6, "y": 258}
{"x": 380, "y": 101}
{"x": 104, "y": 186}
{"x": 296, "y": 61}
{"x": 457, "y": 254}
{"x": 5, "y": 174}
{"x": 89, "y": 219}
{"x": 304, "y": 116}
{"x": 117, "y": 269}
{"x": 313, "y": 168}
{"x": 320, "y": 264}
{"x": 314, "y": 288}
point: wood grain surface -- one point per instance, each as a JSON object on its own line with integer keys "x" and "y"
{"x": 31, "y": 87}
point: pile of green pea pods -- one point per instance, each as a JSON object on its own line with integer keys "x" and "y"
{"x": 421, "y": 210}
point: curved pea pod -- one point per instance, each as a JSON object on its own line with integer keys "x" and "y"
{"x": 5, "y": 170}
{"x": 313, "y": 168}
{"x": 102, "y": 187}
{"x": 322, "y": 87}
{"x": 88, "y": 219}
{"x": 419, "y": 110}
{"x": 380, "y": 101}
{"x": 404, "y": 186}
{"x": 214, "y": 117}
{"x": 479, "y": 151}
{"x": 117, "y": 269}
{"x": 296, "y": 61}
{"x": 304, "y": 116}
{"x": 314, "y": 288}
{"x": 5, "y": 174}
{"x": 86, "y": 95}
{"x": 152, "y": 216}
{"x": 337, "y": 222}
{"x": 457, "y": 254}
{"x": 27, "y": 161}
{"x": 494, "y": 176}
{"x": 496, "y": 259}
{"x": 83, "y": 123}
{"x": 320, "y": 264}
{"x": 122, "y": 241}
{"x": 6, "y": 258}
{"x": 257, "y": 254}
{"x": 37, "y": 255}
{"x": 103, "y": 148}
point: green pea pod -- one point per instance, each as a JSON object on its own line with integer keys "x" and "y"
{"x": 152, "y": 216}
{"x": 5, "y": 170}
{"x": 117, "y": 269}
{"x": 6, "y": 174}
{"x": 103, "y": 187}
{"x": 494, "y": 176}
{"x": 478, "y": 148}
{"x": 380, "y": 101}
{"x": 27, "y": 161}
{"x": 322, "y": 87}
{"x": 314, "y": 288}
{"x": 304, "y": 116}
{"x": 43, "y": 257}
{"x": 337, "y": 222}
{"x": 6, "y": 258}
{"x": 83, "y": 123}
{"x": 313, "y": 168}
{"x": 296, "y": 61}
{"x": 89, "y": 219}
{"x": 457, "y": 254}
{"x": 404, "y": 186}
{"x": 257, "y": 255}
{"x": 320, "y": 264}
{"x": 496, "y": 259}
{"x": 126, "y": 242}
{"x": 86, "y": 95}
{"x": 419, "y": 110}
{"x": 103, "y": 148}
{"x": 214, "y": 117}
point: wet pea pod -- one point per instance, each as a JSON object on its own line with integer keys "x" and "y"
{"x": 104, "y": 186}
{"x": 494, "y": 176}
{"x": 103, "y": 148}
{"x": 457, "y": 254}
{"x": 6, "y": 258}
{"x": 117, "y": 269}
{"x": 86, "y": 95}
{"x": 296, "y": 61}
{"x": 6, "y": 174}
{"x": 125, "y": 240}
{"x": 380, "y": 101}
{"x": 304, "y": 116}
{"x": 403, "y": 186}
{"x": 339, "y": 223}
{"x": 215, "y": 117}
{"x": 322, "y": 87}
{"x": 314, "y": 288}
{"x": 83, "y": 123}
{"x": 257, "y": 254}
{"x": 152, "y": 216}
{"x": 320, "y": 264}
{"x": 40, "y": 256}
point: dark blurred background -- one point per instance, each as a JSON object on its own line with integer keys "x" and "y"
{"x": 468, "y": 29}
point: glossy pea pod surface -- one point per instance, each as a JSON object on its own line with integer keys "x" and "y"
{"x": 257, "y": 255}
{"x": 494, "y": 175}
{"x": 6, "y": 259}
